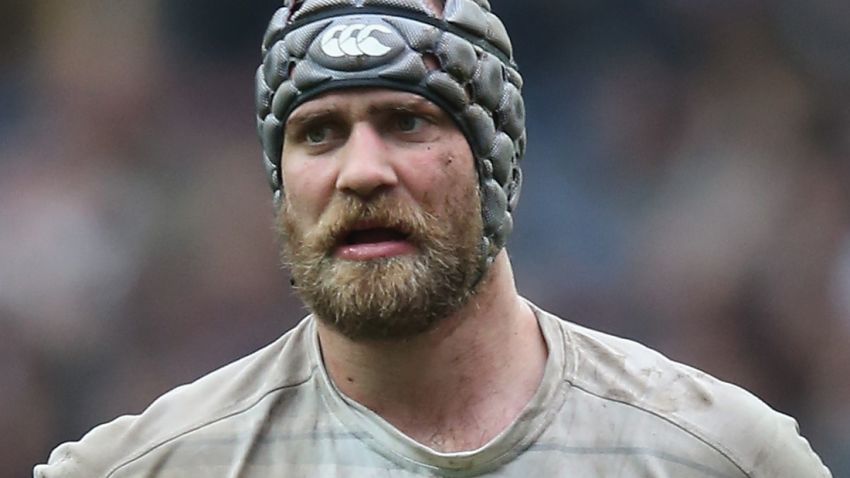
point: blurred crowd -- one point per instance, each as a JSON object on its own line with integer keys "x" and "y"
{"x": 687, "y": 184}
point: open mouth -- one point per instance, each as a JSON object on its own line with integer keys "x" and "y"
{"x": 374, "y": 235}
{"x": 371, "y": 241}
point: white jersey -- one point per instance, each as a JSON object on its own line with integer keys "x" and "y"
{"x": 606, "y": 407}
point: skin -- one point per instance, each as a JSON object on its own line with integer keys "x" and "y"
{"x": 366, "y": 143}
{"x": 486, "y": 360}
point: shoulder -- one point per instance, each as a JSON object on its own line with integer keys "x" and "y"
{"x": 224, "y": 394}
{"x": 725, "y": 418}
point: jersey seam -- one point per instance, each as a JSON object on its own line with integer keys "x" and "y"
{"x": 682, "y": 426}
{"x": 207, "y": 423}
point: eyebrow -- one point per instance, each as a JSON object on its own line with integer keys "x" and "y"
{"x": 413, "y": 107}
{"x": 409, "y": 104}
{"x": 300, "y": 119}
{"x": 413, "y": 104}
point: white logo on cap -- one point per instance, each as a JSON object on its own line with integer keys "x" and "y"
{"x": 354, "y": 40}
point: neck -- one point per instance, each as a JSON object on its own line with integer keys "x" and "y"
{"x": 458, "y": 385}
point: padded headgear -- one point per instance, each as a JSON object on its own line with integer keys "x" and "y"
{"x": 315, "y": 46}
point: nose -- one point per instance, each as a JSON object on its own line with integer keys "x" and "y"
{"x": 365, "y": 163}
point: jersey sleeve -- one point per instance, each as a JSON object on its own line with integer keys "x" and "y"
{"x": 91, "y": 456}
{"x": 785, "y": 453}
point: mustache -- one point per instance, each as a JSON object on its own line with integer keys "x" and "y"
{"x": 346, "y": 213}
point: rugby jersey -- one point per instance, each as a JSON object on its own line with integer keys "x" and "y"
{"x": 606, "y": 407}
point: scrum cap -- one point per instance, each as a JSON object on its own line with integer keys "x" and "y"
{"x": 315, "y": 46}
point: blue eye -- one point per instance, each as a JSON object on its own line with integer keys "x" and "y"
{"x": 317, "y": 135}
{"x": 408, "y": 122}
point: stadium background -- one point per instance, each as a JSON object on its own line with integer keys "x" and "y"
{"x": 686, "y": 186}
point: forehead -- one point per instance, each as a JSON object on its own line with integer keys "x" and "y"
{"x": 366, "y": 100}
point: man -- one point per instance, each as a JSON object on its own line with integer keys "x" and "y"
{"x": 392, "y": 132}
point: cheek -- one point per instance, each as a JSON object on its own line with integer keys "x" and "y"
{"x": 440, "y": 174}
{"x": 308, "y": 187}
{"x": 457, "y": 172}
{"x": 422, "y": 179}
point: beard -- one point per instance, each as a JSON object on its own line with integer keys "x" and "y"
{"x": 392, "y": 297}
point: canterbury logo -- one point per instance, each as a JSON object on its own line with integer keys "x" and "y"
{"x": 354, "y": 40}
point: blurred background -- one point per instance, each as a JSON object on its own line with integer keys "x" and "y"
{"x": 687, "y": 184}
